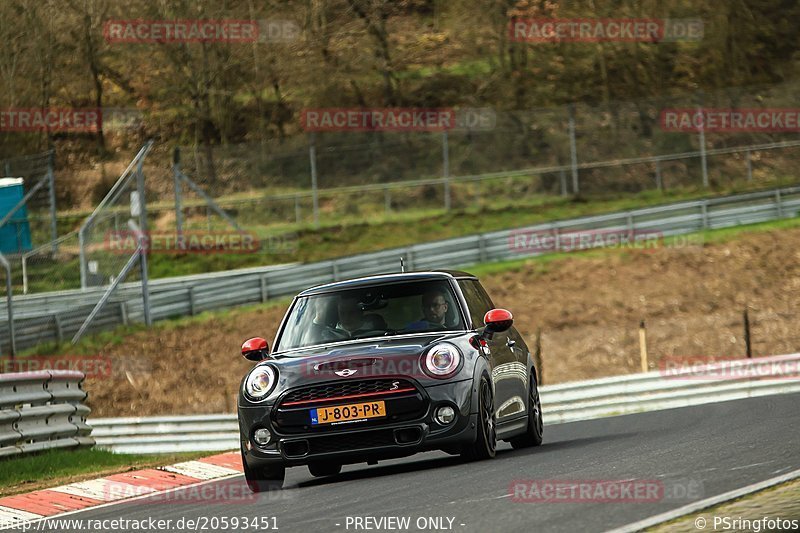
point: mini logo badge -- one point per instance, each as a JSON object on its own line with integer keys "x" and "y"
{"x": 345, "y": 372}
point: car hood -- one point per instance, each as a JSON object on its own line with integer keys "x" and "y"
{"x": 387, "y": 356}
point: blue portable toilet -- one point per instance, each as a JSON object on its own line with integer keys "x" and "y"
{"x": 15, "y": 235}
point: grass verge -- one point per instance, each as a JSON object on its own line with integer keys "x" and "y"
{"x": 57, "y": 467}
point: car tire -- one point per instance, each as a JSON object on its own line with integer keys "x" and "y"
{"x": 535, "y": 430}
{"x": 485, "y": 445}
{"x": 265, "y": 478}
{"x": 324, "y": 469}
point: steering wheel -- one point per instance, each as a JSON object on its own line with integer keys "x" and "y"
{"x": 335, "y": 333}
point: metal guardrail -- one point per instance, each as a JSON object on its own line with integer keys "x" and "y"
{"x": 51, "y": 316}
{"x": 57, "y": 316}
{"x": 566, "y": 402}
{"x": 42, "y": 411}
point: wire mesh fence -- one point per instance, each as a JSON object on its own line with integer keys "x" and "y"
{"x": 107, "y": 238}
{"x": 510, "y": 156}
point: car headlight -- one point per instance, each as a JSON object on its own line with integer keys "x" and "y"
{"x": 260, "y": 382}
{"x": 442, "y": 360}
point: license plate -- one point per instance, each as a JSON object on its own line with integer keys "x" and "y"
{"x": 348, "y": 413}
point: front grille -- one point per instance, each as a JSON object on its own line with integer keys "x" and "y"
{"x": 318, "y": 393}
{"x": 351, "y": 441}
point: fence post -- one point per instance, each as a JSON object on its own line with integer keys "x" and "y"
{"x": 702, "y": 132}
{"x": 446, "y": 170}
{"x": 59, "y": 328}
{"x": 747, "y": 342}
{"x": 563, "y": 179}
{"x": 643, "y": 346}
{"x": 312, "y": 155}
{"x": 82, "y": 256}
{"x": 704, "y": 213}
{"x": 10, "y": 306}
{"x": 659, "y": 182}
{"x": 573, "y": 150}
{"x": 176, "y": 177}
{"x": 779, "y": 203}
{"x": 24, "y": 274}
{"x": 143, "y": 248}
{"x": 556, "y": 236}
{"x": 483, "y": 256}
{"x": 749, "y": 166}
{"x": 264, "y": 289}
{"x": 297, "y": 216}
{"x": 192, "y": 310}
{"x": 123, "y": 312}
{"x": 51, "y": 180}
{"x": 387, "y": 200}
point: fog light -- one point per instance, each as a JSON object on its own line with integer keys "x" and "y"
{"x": 445, "y": 415}
{"x": 262, "y": 436}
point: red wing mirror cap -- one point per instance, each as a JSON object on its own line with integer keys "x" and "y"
{"x": 498, "y": 320}
{"x": 255, "y": 349}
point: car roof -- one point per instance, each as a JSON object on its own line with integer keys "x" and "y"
{"x": 368, "y": 281}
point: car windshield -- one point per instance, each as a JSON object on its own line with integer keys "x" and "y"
{"x": 380, "y": 310}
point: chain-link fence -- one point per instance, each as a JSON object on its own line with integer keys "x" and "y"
{"x": 497, "y": 157}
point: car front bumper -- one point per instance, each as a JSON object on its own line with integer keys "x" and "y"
{"x": 363, "y": 444}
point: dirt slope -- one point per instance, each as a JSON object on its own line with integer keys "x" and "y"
{"x": 588, "y": 308}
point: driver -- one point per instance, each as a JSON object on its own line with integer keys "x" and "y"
{"x": 434, "y": 311}
{"x": 351, "y": 315}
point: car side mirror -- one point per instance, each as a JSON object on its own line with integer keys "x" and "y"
{"x": 497, "y": 321}
{"x": 255, "y": 349}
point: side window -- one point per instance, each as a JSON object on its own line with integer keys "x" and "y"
{"x": 477, "y": 301}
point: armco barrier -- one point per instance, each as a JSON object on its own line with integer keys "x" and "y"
{"x": 565, "y": 402}
{"x": 51, "y": 316}
{"x": 42, "y": 411}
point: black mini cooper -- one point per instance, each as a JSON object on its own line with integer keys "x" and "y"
{"x": 383, "y": 367}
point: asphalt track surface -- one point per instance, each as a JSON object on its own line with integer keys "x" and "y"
{"x": 695, "y": 453}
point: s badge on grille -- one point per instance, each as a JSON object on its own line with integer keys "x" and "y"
{"x": 345, "y": 372}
